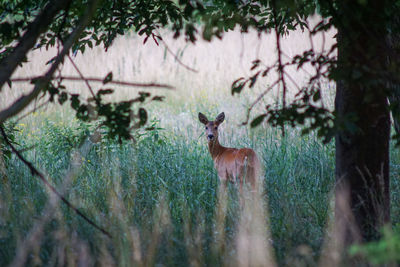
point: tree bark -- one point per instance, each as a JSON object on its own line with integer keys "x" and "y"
{"x": 362, "y": 142}
{"x": 393, "y": 61}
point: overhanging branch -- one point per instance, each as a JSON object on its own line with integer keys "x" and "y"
{"x": 25, "y": 100}
{"x": 100, "y": 80}
{"x": 28, "y": 40}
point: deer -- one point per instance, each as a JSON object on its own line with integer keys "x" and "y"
{"x": 232, "y": 164}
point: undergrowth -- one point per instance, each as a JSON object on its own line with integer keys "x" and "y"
{"x": 158, "y": 196}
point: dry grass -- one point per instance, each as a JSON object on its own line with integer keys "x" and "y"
{"x": 218, "y": 63}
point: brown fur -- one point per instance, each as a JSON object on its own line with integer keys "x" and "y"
{"x": 232, "y": 164}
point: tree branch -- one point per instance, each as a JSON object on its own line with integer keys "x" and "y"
{"x": 173, "y": 54}
{"x": 81, "y": 75}
{"x": 25, "y": 100}
{"x": 95, "y": 79}
{"x": 280, "y": 65}
{"x": 258, "y": 99}
{"x": 28, "y": 40}
{"x": 37, "y": 173}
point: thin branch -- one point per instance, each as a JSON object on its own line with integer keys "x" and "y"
{"x": 94, "y": 79}
{"x": 258, "y": 99}
{"x": 175, "y": 56}
{"x": 41, "y": 176}
{"x": 280, "y": 65}
{"x": 28, "y": 40}
{"x": 36, "y": 232}
{"x": 81, "y": 75}
{"x": 295, "y": 64}
{"x": 310, "y": 37}
{"x": 64, "y": 20}
{"x": 42, "y": 82}
{"x": 323, "y": 42}
{"x": 292, "y": 80}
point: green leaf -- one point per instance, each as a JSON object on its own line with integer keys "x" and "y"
{"x": 317, "y": 96}
{"x": 158, "y": 98}
{"x": 253, "y": 79}
{"x": 257, "y": 120}
{"x": 105, "y": 91}
{"x": 238, "y": 85}
{"x": 108, "y": 78}
{"x": 62, "y": 98}
{"x": 142, "y": 116}
{"x": 75, "y": 101}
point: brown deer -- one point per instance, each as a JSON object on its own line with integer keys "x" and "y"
{"x": 232, "y": 164}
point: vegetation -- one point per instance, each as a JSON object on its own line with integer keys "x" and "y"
{"x": 364, "y": 69}
{"x": 162, "y": 192}
{"x": 158, "y": 197}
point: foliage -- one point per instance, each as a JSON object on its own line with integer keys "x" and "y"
{"x": 144, "y": 17}
{"x": 111, "y": 19}
{"x": 384, "y": 251}
{"x": 153, "y": 133}
{"x": 213, "y": 17}
{"x": 11, "y": 130}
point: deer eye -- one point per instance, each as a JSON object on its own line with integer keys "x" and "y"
{"x": 215, "y": 128}
{"x": 206, "y": 128}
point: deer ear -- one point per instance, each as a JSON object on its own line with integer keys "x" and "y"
{"x": 220, "y": 118}
{"x": 202, "y": 118}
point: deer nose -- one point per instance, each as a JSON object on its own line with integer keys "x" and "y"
{"x": 210, "y": 136}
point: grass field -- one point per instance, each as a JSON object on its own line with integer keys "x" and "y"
{"x": 159, "y": 197}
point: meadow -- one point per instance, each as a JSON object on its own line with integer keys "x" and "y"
{"x": 158, "y": 196}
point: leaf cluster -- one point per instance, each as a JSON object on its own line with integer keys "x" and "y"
{"x": 119, "y": 118}
{"x": 207, "y": 18}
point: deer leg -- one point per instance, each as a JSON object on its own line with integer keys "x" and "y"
{"x": 223, "y": 185}
{"x": 252, "y": 179}
{"x": 241, "y": 195}
{"x": 241, "y": 180}
{"x": 223, "y": 182}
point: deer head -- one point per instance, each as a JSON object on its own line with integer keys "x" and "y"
{"x": 211, "y": 126}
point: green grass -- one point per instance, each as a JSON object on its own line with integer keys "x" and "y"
{"x": 159, "y": 196}
{"x": 123, "y": 187}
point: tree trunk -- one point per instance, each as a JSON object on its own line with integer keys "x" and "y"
{"x": 362, "y": 142}
{"x": 393, "y": 43}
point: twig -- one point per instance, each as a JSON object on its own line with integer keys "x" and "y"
{"x": 41, "y": 83}
{"x": 28, "y": 40}
{"x": 67, "y": 8}
{"x": 175, "y": 56}
{"x": 81, "y": 75}
{"x": 310, "y": 37}
{"x": 292, "y": 80}
{"x": 258, "y": 99}
{"x": 280, "y": 65}
{"x": 94, "y": 79}
{"x": 37, "y": 173}
{"x": 294, "y": 64}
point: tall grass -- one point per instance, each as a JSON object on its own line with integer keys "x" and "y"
{"x": 159, "y": 196}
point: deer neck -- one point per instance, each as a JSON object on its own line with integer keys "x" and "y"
{"x": 215, "y": 148}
